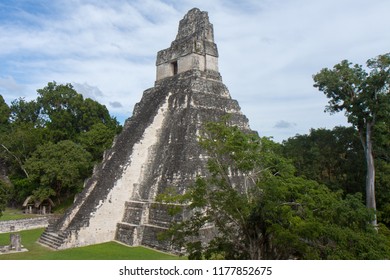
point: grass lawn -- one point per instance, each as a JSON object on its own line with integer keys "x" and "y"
{"x": 14, "y": 214}
{"x": 105, "y": 251}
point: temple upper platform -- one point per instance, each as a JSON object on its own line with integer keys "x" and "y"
{"x": 193, "y": 48}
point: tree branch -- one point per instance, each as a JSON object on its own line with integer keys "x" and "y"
{"x": 17, "y": 159}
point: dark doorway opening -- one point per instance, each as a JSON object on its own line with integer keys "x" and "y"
{"x": 174, "y": 67}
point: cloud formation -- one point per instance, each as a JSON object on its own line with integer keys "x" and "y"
{"x": 8, "y": 84}
{"x": 116, "y": 104}
{"x": 87, "y": 90}
{"x": 284, "y": 124}
{"x": 268, "y": 50}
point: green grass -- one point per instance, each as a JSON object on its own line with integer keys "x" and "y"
{"x": 104, "y": 251}
{"x": 14, "y": 214}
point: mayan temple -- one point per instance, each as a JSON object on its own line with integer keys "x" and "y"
{"x": 158, "y": 147}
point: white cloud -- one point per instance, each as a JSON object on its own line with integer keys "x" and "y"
{"x": 269, "y": 50}
{"x": 10, "y": 89}
{"x": 87, "y": 90}
{"x": 9, "y": 84}
{"x": 282, "y": 124}
{"x": 116, "y": 104}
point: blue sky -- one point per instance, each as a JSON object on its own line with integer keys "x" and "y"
{"x": 268, "y": 51}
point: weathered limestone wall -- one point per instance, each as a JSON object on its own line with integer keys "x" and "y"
{"x": 186, "y": 63}
{"x": 193, "y": 48}
{"x": 211, "y": 63}
{"x": 164, "y": 71}
{"x": 23, "y": 224}
{"x": 103, "y": 220}
{"x": 190, "y": 62}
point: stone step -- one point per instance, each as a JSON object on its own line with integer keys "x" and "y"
{"x": 52, "y": 221}
{"x": 50, "y": 228}
{"x": 133, "y": 212}
{"x": 51, "y": 239}
{"x": 125, "y": 224}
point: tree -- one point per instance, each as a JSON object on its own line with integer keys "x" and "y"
{"x": 19, "y": 143}
{"x": 364, "y": 97}
{"x": 42, "y": 193}
{"x": 62, "y": 167}
{"x": 382, "y": 170}
{"x": 5, "y": 191}
{"x": 271, "y": 214}
{"x": 67, "y": 113}
{"x": 23, "y": 112}
{"x": 331, "y": 157}
{"x": 4, "y": 113}
{"x": 98, "y": 139}
{"x": 4, "y": 126}
{"x": 58, "y": 114}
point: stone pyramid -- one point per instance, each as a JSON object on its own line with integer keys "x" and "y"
{"x": 157, "y": 148}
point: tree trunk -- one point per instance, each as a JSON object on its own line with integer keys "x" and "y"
{"x": 18, "y": 160}
{"x": 370, "y": 177}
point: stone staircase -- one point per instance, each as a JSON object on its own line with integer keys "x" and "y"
{"x": 51, "y": 239}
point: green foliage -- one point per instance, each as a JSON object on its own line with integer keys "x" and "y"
{"x": 5, "y": 112}
{"x": 271, "y": 214}
{"x": 336, "y": 158}
{"x": 67, "y": 113}
{"x": 332, "y": 157}
{"x": 232, "y": 145}
{"x": 23, "y": 187}
{"x": 42, "y": 193}
{"x": 364, "y": 97}
{"x": 383, "y": 190}
{"x": 58, "y": 114}
{"x": 18, "y": 144}
{"x": 98, "y": 139}
{"x": 308, "y": 221}
{"x": 382, "y": 162}
{"x": 5, "y": 191}
{"x": 26, "y": 112}
{"x": 62, "y": 167}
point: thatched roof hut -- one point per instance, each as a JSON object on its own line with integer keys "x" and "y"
{"x": 32, "y": 206}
